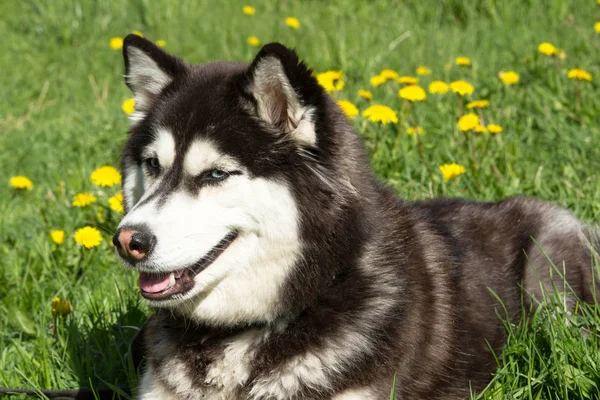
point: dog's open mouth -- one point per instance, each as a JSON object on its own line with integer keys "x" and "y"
{"x": 162, "y": 286}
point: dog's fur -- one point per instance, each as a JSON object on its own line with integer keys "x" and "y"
{"x": 333, "y": 285}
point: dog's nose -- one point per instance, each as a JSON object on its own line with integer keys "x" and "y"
{"x": 133, "y": 244}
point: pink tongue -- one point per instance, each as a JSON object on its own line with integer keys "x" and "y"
{"x": 153, "y": 283}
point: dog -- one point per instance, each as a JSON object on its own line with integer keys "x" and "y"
{"x": 278, "y": 267}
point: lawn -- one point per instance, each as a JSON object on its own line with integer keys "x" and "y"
{"x": 61, "y": 118}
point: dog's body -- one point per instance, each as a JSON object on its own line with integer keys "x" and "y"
{"x": 279, "y": 268}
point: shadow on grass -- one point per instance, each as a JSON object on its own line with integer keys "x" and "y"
{"x": 105, "y": 352}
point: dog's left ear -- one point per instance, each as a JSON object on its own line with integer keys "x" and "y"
{"x": 148, "y": 70}
{"x": 284, "y": 92}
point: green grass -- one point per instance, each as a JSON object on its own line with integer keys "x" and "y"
{"x": 60, "y": 97}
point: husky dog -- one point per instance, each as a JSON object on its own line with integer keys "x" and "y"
{"x": 278, "y": 267}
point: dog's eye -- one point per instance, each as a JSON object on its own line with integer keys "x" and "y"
{"x": 152, "y": 163}
{"x": 218, "y": 174}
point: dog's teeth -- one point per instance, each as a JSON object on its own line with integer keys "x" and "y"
{"x": 171, "y": 280}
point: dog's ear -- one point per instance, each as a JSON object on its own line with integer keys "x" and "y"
{"x": 285, "y": 94}
{"x": 148, "y": 70}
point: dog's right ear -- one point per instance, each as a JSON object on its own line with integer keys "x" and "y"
{"x": 148, "y": 70}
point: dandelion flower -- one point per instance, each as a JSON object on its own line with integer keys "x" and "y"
{"x": 116, "y": 202}
{"x": 378, "y": 80}
{"x": 508, "y": 77}
{"x": 348, "y": 108}
{"x": 478, "y": 104}
{"x": 57, "y": 236}
{"x": 161, "y": 43}
{"x": 597, "y": 27}
{"x": 380, "y": 113}
{"x": 413, "y": 130}
{"x": 292, "y": 22}
{"x": 128, "y": 106}
{"x": 493, "y": 128}
{"x": 412, "y": 93}
{"x": 548, "y": 49}
{"x": 106, "y": 176}
{"x": 248, "y": 10}
{"x": 88, "y": 237}
{"x": 253, "y": 41}
{"x": 462, "y": 61}
{"x": 20, "y": 182}
{"x": 451, "y": 171}
{"x": 331, "y": 80}
{"x": 138, "y": 33}
{"x": 422, "y": 70}
{"x": 60, "y": 307}
{"x": 365, "y": 94}
{"x": 438, "y": 87}
{"x": 468, "y": 122}
{"x": 389, "y": 74}
{"x": 480, "y": 129}
{"x": 461, "y": 87}
{"x": 116, "y": 43}
{"x": 580, "y": 74}
{"x": 83, "y": 199}
{"x": 407, "y": 80}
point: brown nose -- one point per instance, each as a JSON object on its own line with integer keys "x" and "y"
{"x": 132, "y": 244}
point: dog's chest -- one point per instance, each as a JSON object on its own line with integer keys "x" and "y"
{"x": 194, "y": 365}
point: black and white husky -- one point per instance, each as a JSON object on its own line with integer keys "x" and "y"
{"x": 278, "y": 267}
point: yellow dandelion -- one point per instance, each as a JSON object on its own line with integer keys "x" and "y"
{"x": 348, "y": 108}
{"x": 253, "y": 41}
{"x": 413, "y": 130}
{"x": 128, "y": 106}
{"x": 579, "y": 74}
{"x": 407, "y": 80}
{"x": 389, "y": 74}
{"x": 365, "y": 94}
{"x": 412, "y": 93}
{"x": 597, "y": 27}
{"x": 493, "y": 128}
{"x": 451, "y": 171}
{"x": 468, "y": 122}
{"x": 20, "y": 182}
{"x": 116, "y": 43}
{"x": 478, "y": 104}
{"x": 461, "y": 87}
{"x": 83, "y": 199}
{"x": 116, "y": 202}
{"x": 378, "y": 80}
{"x": 292, "y": 22}
{"x": 462, "y": 61}
{"x": 562, "y": 55}
{"x": 508, "y": 77}
{"x": 438, "y": 87}
{"x": 138, "y": 33}
{"x": 58, "y": 236}
{"x": 248, "y": 10}
{"x": 161, "y": 43}
{"x": 548, "y": 49}
{"x": 88, "y": 237}
{"x": 60, "y": 308}
{"x": 331, "y": 80}
{"x": 480, "y": 129}
{"x": 106, "y": 176}
{"x": 380, "y": 113}
{"x": 422, "y": 70}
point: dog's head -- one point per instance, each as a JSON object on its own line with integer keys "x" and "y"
{"x": 232, "y": 181}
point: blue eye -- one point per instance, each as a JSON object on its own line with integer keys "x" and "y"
{"x": 218, "y": 174}
{"x": 152, "y": 163}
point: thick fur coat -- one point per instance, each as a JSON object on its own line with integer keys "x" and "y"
{"x": 280, "y": 268}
